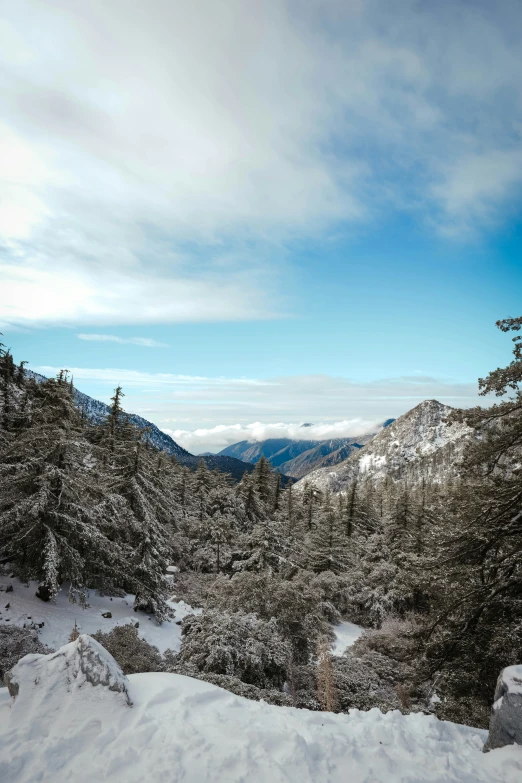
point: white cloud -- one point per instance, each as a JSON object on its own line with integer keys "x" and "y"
{"x": 217, "y": 438}
{"x": 475, "y": 185}
{"x": 145, "y": 342}
{"x": 154, "y": 173}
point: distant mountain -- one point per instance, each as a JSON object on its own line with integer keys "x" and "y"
{"x": 419, "y": 445}
{"x": 96, "y": 411}
{"x": 298, "y": 457}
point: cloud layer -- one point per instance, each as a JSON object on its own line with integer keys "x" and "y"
{"x": 155, "y": 172}
{"x": 217, "y": 438}
{"x": 145, "y": 342}
{"x": 207, "y": 414}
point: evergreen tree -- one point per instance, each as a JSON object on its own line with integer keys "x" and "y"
{"x": 326, "y": 543}
{"x": 264, "y": 483}
{"x": 51, "y": 501}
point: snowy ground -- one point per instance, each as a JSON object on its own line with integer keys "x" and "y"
{"x": 59, "y": 616}
{"x": 345, "y": 635}
{"x": 180, "y": 729}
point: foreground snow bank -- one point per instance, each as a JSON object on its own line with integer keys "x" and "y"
{"x": 180, "y": 729}
{"x": 56, "y": 619}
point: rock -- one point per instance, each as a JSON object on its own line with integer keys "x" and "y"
{"x": 74, "y": 670}
{"x": 40, "y": 625}
{"x": 505, "y": 726}
{"x": 9, "y": 589}
{"x": 136, "y": 624}
{"x": 107, "y": 615}
{"x": 43, "y": 592}
{"x": 7, "y": 606}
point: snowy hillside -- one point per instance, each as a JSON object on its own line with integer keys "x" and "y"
{"x": 297, "y": 457}
{"x": 96, "y": 411}
{"x": 56, "y": 619}
{"x": 75, "y": 716}
{"x": 421, "y": 444}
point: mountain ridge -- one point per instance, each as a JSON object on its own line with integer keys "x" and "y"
{"x": 298, "y": 457}
{"x": 420, "y": 444}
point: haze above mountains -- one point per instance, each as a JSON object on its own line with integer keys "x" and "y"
{"x": 421, "y": 444}
{"x": 298, "y": 457}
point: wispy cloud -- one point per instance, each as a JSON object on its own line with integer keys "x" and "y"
{"x": 137, "y": 377}
{"x": 156, "y": 174}
{"x": 145, "y": 342}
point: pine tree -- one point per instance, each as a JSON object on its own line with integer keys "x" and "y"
{"x": 50, "y": 518}
{"x": 326, "y": 543}
{"x": 148, "y": 492}
{"x": 264, "y": 483}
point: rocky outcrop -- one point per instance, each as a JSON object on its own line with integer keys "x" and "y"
{"x": 420, "y": 445}
{"x": 82, "y": 665}
{"x": 505, "y": 727}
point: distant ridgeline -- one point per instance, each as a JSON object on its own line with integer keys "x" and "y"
{"x": 297, "y": 458}
{"x": 97, "y": 411}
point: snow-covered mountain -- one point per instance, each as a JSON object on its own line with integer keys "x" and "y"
{"x": 298, "y": 457}
{"x": 421, "y": 444}
{"x": 96, "y": 411}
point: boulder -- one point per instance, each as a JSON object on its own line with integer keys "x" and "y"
{"x": 43, "y": 592}
{"x": 505, "y": 726}
{"x": 82, "y": 668}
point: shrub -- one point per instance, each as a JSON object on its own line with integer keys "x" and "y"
{"x": 296, "y": 607}
{"x": 237, "y": 645}
{"x": 15, "y": 643}
{"x": 133, "y": 654}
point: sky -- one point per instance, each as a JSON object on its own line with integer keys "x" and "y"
{"x": 253, "y": 215}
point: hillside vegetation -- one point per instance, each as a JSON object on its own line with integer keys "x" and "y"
{"x": 429, "y": 561}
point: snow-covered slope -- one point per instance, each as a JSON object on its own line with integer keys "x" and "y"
{"x": 55, "y": 620}
{"x": 180, "y": 729}
{"x": 420, "y": 444}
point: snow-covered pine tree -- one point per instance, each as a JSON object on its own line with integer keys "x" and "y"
{"x": 327, "y": 542}
{"x": 265, "y": 483}
{"x": 51, "y": 495}
{"x": 148, "y": 492}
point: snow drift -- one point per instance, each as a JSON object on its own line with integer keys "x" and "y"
{"x": 180, "y": 729}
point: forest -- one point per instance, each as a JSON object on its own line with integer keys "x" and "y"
{"x": 432, "y": 570}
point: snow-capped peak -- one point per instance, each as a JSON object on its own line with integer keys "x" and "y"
{"x": 404, "y": 449}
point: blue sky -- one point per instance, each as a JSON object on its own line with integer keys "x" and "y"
{"x": 252, "y": 215}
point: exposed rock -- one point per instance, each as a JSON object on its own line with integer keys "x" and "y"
{"x": 78, "y": 666}
{"x": 43, "y": 593}
{"x": 107, "y": 615}
{"x": 505, "y": 727}
{"x": 9, "y": 589}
